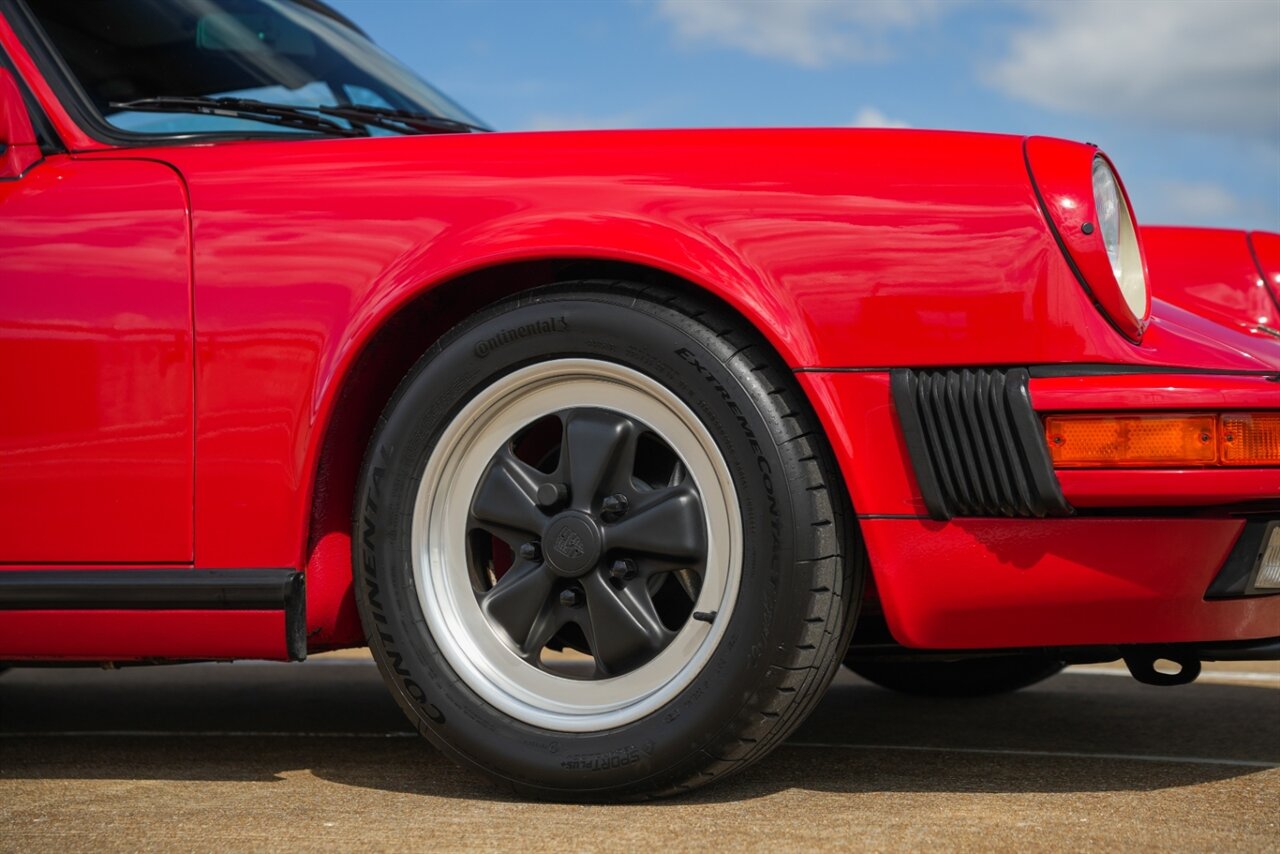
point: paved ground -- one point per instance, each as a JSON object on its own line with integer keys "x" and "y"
{"x": 234, "y": 757}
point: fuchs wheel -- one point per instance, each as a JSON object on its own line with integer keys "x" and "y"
{"x": 970, "y": 677}
{"x": 600, "y": 550}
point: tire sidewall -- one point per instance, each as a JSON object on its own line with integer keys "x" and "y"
{"x": 699, "y": 368}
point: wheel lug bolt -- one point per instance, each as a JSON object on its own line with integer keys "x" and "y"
{"x": 571, "y": 597}
{"x": 623, "y": 570}
{"x": 614, "y": 506}
{"x": 531, "y": 551}
{"x": 552, "y": 495}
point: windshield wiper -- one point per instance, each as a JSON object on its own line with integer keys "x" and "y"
{"x": 305, "y": 117}
{"x": 399, "y": 120}
{"x": 285, "y": 115}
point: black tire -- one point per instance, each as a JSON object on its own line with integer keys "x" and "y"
{"x": 802, "y": 565}
{"x": 970, "y": 677}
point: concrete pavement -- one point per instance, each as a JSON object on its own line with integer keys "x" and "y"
{"x": 315, "y": 756}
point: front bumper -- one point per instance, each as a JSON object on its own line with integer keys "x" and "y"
{"x": 1127, "y": 558}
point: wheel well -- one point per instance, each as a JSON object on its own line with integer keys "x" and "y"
{"x": 367, "y": 386}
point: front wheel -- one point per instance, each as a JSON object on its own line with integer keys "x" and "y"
{"x": 601, "y": 553}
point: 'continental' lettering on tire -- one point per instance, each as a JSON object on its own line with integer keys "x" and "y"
{"x": 506, "y": 336}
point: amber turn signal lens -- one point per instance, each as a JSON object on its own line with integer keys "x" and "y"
{"x": 1249, "y": 438}
{"x": 1161, "y": 440}
{"x": 1106, "y": 441}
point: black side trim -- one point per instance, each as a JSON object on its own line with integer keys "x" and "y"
{"x": 976, "y": 444}
{"x": 150, "y": 589}
{"x": 295, "y": 616}
{"x": 164, "y": 590}
{"x": 1235, "y": 579}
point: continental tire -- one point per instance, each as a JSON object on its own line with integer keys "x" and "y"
{"x": 601, "y": 550}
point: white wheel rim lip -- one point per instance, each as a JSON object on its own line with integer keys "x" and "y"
{"x": 479, "y": 654}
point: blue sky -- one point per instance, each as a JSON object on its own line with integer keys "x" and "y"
{"x": 1183, "y": 94}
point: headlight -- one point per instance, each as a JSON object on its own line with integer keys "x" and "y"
{"x": 1089, "y": 213}
{"x": 1119, "y": 237}
{"x": 1106, "y": 200}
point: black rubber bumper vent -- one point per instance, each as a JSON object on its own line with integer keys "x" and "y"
{"x": 976, "y": 444}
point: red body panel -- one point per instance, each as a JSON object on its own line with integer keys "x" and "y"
{"x": 1168, "y": 487}
{"x": 978, "y": 583}
{"x": 853, "y": 251}
{"x": 1266, "y": 251}
{"x": 987, "y": 583}
{"x": 858, "y": 413}
{"x": 96, "y": 412}
{"x": 1154, "y": 392}
{"x": 134, "y": 635}
{"x": 1214, "y": 273}
{"x": 303, "y": 249}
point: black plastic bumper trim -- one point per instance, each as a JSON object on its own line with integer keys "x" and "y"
{"x": 1264, "y": 649}
{"x": 976, "y": 444}
{"x": 1235, "y": 579}
{"x": 164, "y": 590}
{"x": 1267, "y": 649}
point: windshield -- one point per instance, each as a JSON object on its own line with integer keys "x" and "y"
{"x": 274, "y": 51}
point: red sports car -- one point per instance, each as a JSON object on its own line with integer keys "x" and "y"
{"x": 611, "y": 445}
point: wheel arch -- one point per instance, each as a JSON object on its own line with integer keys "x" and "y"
{"x": 357, "y": 389}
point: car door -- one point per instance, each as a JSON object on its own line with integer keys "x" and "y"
{"x": 96, "y": 397}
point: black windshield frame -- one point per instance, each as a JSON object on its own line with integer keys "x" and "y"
{"x": 82, "y": 110}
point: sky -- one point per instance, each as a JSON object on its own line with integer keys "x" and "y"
{"x": 1184, "y": 95}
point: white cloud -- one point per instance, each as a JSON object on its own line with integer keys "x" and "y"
{"x": 873, "y": 117}
{"x": 810, "y": 33}
{"x": 1210, "y": 65}
{"x": 1199, "y": 202}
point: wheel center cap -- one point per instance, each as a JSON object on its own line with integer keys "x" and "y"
{"x": 571, "y": 545}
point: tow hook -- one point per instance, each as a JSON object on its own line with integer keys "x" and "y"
{"x": 1142, "y": 666}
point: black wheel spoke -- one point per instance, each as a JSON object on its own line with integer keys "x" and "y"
{"x": 668, "y": 525}
{"x": 521, "y": 604}
{"x": 505, "y": 503}
{"x": 547, "y": 623}
{"x": 597, "y": 455}
{"x": 588, "y": 539}
{"x": 622, "y": 626}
